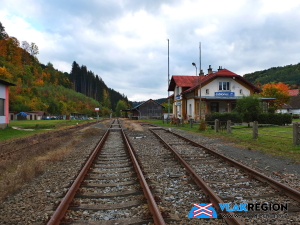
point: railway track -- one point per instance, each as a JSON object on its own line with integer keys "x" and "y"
{"x": 227, "y": 181}
{"x": 110, "y": 189}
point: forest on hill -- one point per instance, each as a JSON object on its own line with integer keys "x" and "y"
{"x": 41, "y": 87}
{"x": 289, "y": 75}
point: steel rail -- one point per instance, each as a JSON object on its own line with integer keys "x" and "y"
{"x": 61, "y": 210}
{"x": 215, "y": 199}
{"x": 291, "y": 192}
{"x": 156, "y": 214}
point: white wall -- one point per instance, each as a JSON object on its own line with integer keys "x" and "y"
{"x": 2, "y": 95}
{"x": 214, "y": 87}
{"x": 2, "y": 91}
{"x": 190, "y": 101}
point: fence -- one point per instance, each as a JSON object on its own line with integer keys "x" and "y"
{"x": 295, "y": 134}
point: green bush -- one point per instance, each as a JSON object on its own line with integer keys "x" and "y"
{"x": 276, "y": 119}
{"x": 234, "y": 117}
{"x": 271, "y": 110}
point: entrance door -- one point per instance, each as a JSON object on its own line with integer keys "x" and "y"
{"x": 214, "y": 107}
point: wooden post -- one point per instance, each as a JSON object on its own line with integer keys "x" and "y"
{"x": 228, "y": 126}
{"x": 216, "y": 125}
{"x": 255, "y": 130}
{"x": 296, "y": 133}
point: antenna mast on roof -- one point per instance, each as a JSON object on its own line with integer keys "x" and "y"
{"x": 200, "y": 56}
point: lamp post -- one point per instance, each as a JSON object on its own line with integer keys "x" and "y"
{"x": 194, "y": 64}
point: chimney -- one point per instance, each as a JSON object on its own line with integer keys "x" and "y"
{"x": 201, "y": 73}
{"x": 209, "y": 70}
{"x": 220, "y": 68}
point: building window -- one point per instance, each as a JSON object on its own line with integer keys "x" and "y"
{"x": 214, "y": 107}
{"x": 1, "y": 107}
{"x": 207, "y": 91}
{"x": 177, "y": 91}
{"x": 190, "y": 109}
{"x": 241, "y": 91}
{"x": 224, "y": 86}
{"x": 265, "y": 106}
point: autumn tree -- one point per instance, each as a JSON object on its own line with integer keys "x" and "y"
{"x": 278, "y": 91}
{"x": 3, "y": 34}
{"x": 33, "y": 49}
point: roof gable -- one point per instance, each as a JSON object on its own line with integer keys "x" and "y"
{"x": 6, "y": 83}
{"x": 221, "y": 73}
{"x": 146, "y": 102}
{"x": 182, "y": 81}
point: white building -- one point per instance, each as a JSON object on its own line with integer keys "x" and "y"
{"x": 4, "y": 103}
{"x": 219, "y": 92}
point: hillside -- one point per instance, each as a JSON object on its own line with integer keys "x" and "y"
{"x": 41, "y": 87}
{"x": 289, "y": 75}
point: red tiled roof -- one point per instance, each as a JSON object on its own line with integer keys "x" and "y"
{"x": 293, "y": 92}
{"x": 171, "y": 96}
{"x": 193, "y": 81}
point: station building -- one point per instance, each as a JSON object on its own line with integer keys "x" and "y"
{"x": 215, "y": 92}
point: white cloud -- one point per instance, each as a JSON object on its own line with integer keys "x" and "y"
{"x": 124, "y": 41}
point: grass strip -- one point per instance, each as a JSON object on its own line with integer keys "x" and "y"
{"x": 242, "y": 137}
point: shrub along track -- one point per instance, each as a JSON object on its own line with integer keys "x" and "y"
{"x": 225, "y": 180}
{"x": 18, "y": 162}
{"x": 15, "y": 148}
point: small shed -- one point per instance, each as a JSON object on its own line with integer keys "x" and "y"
{"x": 4, "y": 103}
{"x": 148, "y": 110}
{"x": 12, "y": 115}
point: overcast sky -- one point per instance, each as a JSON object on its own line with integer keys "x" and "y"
{"x": 125, "y": 41}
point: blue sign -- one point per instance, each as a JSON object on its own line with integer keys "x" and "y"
{"x": 224, "y": 94}
{"x": 177, "y": 97}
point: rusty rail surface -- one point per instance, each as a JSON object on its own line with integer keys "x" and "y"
{"x": 215, "y": 199}
{"x": 64, "y": 205}
{"x": 156, "y": 214}
{"x": 293, "y": 193}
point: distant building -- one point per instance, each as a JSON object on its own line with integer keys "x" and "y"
{"x": 148, "y": 110}
{"x": 293, "y": 106}
{"x": 4, "y": 103}
{"x": 35, "y": 115}
{"x": 293, "y": 92}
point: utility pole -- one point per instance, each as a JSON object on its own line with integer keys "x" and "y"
{"x": 200, "y": 78}
{"x": 168, "y": 85}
